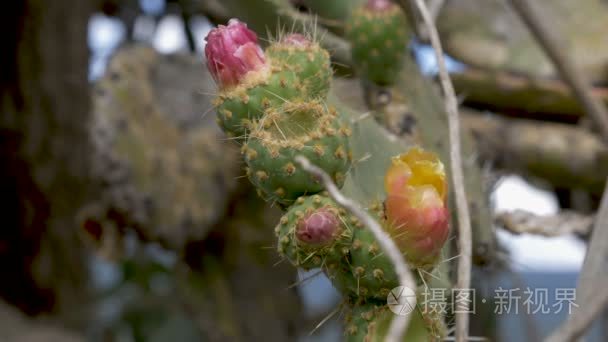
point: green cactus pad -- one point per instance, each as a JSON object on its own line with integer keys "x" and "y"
{"x": 371, "y": 271}
{"x": 379, "y": 40}
{"x": 238, "y": 108}
{"x": 305, "y": 255}
{"x": 371, "y": 321}
{"x": 310, "y": 62}
{"x": 310, "y": 129}
{"x": 369, "y": 274}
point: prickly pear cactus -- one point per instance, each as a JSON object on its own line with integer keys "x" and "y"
{"x": 307, "y": 59}
{"x": 239, "y": 107}
{"x": 370, "y": 322}
{"x": 311, "y": 129}
{"x": 403, "y": 188}
{"x": 379, "y": 34}
{"x": 370, "y": 270}
{"x": 248, "y": 84}
{"x": 314, "y": 232}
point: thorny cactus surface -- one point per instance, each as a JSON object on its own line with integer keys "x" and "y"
{"x": 278, "y": 104}
{"x": 378, "y": 33}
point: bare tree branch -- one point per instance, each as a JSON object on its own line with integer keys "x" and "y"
{"x": 501, "y": 91}
{"x": 549, "y": 40}
{"x": 591, "y": 298}
{"x": 566, "y": 156}
{"x": 399, "y": 323}
{"x": 464, "y": 220}
{"x": 409, "y": 7}
{"x": 562, "y": 223}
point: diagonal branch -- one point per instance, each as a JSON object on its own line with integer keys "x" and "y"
{"x": 591, "y": 298}
{"x": 463, "y": 280}
{"x": 399, "y": 323}
{"x": 549, "y": 41}
{"x": 435, "y": 7}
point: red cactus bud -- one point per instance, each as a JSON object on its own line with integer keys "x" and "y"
{"x": 379, "y": 5}
{"x": 296, "y": 39}
{"x": 232, "y": 51}
{"x": 318, "y": 228}
{"x": 416, "y": 204}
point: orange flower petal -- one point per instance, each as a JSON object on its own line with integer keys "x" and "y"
{"x": 415, "y": 206}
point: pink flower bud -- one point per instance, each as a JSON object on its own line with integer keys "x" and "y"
{"x": 379, "y": 5}
{"x": 415, "y": 206}
{"x": 318, "y": 228}
{"x": 296, "y": 39}
{"x": 232, "y": 51}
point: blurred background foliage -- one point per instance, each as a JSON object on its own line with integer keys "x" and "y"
{"x": 125, "y": 214}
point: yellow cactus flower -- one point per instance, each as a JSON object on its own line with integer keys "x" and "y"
{"x": 416, "y": 205}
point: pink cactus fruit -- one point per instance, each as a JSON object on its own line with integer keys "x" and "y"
{"x": 232, "y": 52}
{"x": 379, "y": 5}
{"x": 319, "y": 227}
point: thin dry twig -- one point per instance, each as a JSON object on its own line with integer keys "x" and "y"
{"x": 413, "y": 18}
{"x": 562, "y": 223}
{"x": 591, "y": 298}
{"x": 420, "y": 29}
{"x": 399, "y": 323}
{"x": 463, "y": 280}
{"x": 435, "y": 7}
{"x": 550, "y": 42}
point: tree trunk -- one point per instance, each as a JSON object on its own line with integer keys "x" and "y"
{"x": 45, "y": 103}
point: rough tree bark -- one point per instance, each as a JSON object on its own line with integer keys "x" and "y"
{"x": 45, "y": 107}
